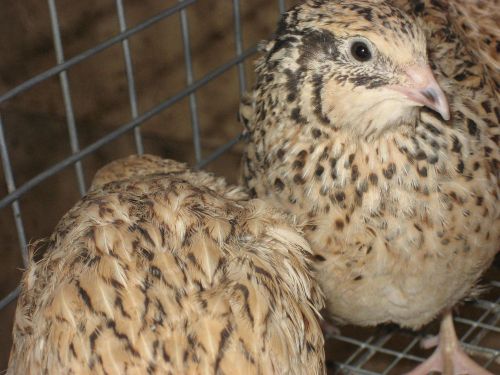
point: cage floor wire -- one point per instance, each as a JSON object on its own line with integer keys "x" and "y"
{"x": 83, "y": 84}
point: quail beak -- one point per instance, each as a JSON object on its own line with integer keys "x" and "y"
{"x": 423, "y": 89}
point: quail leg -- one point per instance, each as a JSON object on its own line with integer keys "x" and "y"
{"x": 449, "y": 358}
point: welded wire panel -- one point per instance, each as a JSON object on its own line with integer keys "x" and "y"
{"x": 39, "y": 78}
{"x": 16, "y": 194}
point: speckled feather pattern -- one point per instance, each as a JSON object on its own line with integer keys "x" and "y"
{"x": 403, "y": 221}
{"x": 477, "y": 22}
{"x": 159, "y": 270}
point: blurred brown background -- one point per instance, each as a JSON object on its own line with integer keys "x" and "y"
{"x": 35, "y": 121}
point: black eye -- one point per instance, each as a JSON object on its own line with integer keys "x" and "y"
{"x": 360, "y": 51}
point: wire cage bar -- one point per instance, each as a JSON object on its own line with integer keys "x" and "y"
{"x": 193, "y": 107}
{"x": 11, "y": 187}
{"x": 383, "y": 350}
{"x": 63, "y": 76}
{"x": 130, "y": 77}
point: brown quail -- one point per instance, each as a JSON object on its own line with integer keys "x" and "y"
{"x": 159, "y": 270}
{"x": 377, "y": 123}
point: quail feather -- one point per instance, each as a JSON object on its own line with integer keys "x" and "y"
{"x": 160, "y": 270}
{"x": 377, "y": 124}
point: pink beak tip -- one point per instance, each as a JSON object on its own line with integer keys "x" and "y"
{"x": 435, "y": 99}
{"x": 426, "y": 90}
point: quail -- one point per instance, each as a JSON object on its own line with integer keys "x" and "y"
{"x": 376, "y": 123}
{"x": 160, "y": 270}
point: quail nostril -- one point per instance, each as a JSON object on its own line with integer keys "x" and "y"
{"x": 430, "y": 95}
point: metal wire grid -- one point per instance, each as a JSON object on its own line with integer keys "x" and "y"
{"x": 364, "y": 349}
{"x": 15, "y": 192}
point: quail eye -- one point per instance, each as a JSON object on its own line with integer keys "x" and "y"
{"x": 361, "y": 51}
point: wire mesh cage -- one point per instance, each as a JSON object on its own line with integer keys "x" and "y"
{"x": 82, "y": 83}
